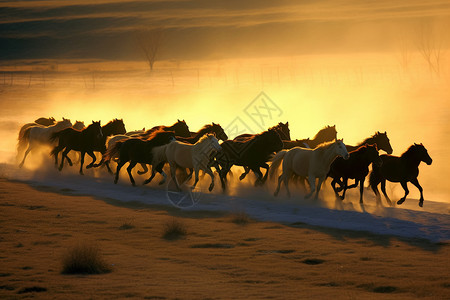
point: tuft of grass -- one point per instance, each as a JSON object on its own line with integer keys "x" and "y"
{"x": 174, "y": 229}
{"x": 84, "y": 259}
{"x": 126, "y": 226}
{"x": 240, "y": 218}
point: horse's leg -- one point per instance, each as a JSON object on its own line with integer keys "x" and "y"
{"x": 333, "y": 185}
{"x": 152, "y": 176}
{"x": 345, "y": 187}
{"x": 280, "y": 179}
{"x": 383, "y": 189}
{"x": 119, "y": 166}
{"x": 319, "y": 185}
{"x": 259, "y": 176}
{"x": 361, "y": 188}
{"x": 195, "y": 171}
{"x": 63, "y": 156}
{"x": 173, "y": 174}
{"x": 82, "y": 153}
{"x": 144, "y": 169}
{"x": 265, "y": 166}
{"x": 246, "y": 171}
{"x": 55, "y": 152}
{"x": 94, "y": 158}
{"x": 211, "y": 174}
{"x": 129, "y": 169}
{"x": 312, "y": 185}
{"x": 25, "y": 155}
{"x": 108, "y": 167}
{"x": 405, "y": 187}
{"x": 286, "y": 177}
{"x": 417, "y": 185}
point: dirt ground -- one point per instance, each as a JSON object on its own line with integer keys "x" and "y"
{"x": 216, "y": 259}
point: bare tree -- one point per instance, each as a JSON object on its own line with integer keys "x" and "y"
{"x": 404, "y": 51}
{"x": 150, "y": 42}
{"x": 430, "y": 46}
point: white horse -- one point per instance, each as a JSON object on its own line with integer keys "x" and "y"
{"x": 305, "y": 162}
{"x": 36, "y": 135}
{"x": 188, "y": 156}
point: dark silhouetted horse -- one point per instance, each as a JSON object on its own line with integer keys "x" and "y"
{"x": 83, "y": 141}
{"x": 113, "y": 127}
{"x": 253, "y": 153}
{"x": 136, "y": 150}
{"x": 180, "y": 128}
{"x": 355, "y": 167}
{"x": 401, "y": 169}
{"x": 379, "y": 139}
{"x": 326, "y": 134}
{"x": 282, "y": 130}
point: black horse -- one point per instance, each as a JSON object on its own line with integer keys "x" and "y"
{"x": 355, "y": 167}
{"x": 379, "y": 139}
{"x": 282, "y": 130}
{"x": 253, "y": 153}
{"x": 180, "y": 128}
{"x": 401, "y": 169}
{"x": 83, "y": 141}
{"x": 113, "y": 127}
{"x": 137, "y": 150}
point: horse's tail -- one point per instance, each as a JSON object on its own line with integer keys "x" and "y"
{"x": 56, "y": 135}
{"x": 276, "y": 162}
{"x": 159, "y": 155}
{"x": 112, "y": 152}
{"x": 375, "y": 177}
{"x": 24, "y": 137}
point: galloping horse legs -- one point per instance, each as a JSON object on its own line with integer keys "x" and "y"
{"x": 129, "y": 169}
{"x": 91, "y": 154}
{"x": 312, "y": 184}
{"x": 405, "y": 187}
{"x": 119, "y": 166}
{"x": 383, "y": 189}
{"x": 417, "y": 185}
{"x": 319, "y": 185}
{"x": 64, "y": 155}
{"x": 361, "y": 188}
{"x": 83, "y": 153}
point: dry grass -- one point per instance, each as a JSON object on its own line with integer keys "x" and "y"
{"x": 240, "y": 218}
{"x": 84, "y": 259}
{"x": 174, "y": 229}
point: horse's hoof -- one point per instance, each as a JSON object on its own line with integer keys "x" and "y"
{"x": 421, "y": 203}
{"x": 241, "y": 177}
{"x": 210, "y": 188}
{"x": 399, "y": 202}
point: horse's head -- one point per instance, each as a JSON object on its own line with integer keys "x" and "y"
{"x": 340, "y": 149}
{"x": 79, "y": 125}
{"x": 283, "y": 131}
{"x": 212, "y": 141}
{"x": 96, "y": 129}
{"x": 272, "y": 139}
{"x": 382, "y": 141}
{"x": 422, "y": 153}
{"x": 219, "y": 132}
{"x": 373, "y": 155}
{"x": 181, "y": 129}
{"x": 326, "y": 134}
{"x": 64, "y": 123}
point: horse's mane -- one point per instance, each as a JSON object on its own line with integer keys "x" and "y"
{"x": 325, "y": 144}
{"x": 204, "y": 137}
{"x": 411, "y": 150}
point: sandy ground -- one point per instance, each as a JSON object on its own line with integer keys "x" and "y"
{"x": 217, "y": 259}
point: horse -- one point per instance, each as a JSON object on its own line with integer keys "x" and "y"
{"x": 79, "y": 140}
{"x": 311, "y": 163}
{"x": 137, "y": 150}
{"x": 253, "y": 153}
{"x": 79, "y": 125}
{"x": 379, "y": 139}
{"x": 38, "y": 135}
{"x": 189, "y": 156}
{"x": 282, "y": 130}
{"x": 115, "y": 126}
{"x": 326, "y": 134}
{"x": 180, "y": 128}
{"x": 45, "y": 121}
{"x": 213, "y": 128}
{"x": 401, "y": 169}
{"x": 356, "y": 167}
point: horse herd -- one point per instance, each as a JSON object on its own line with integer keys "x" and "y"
{"x": 306, "y": 160}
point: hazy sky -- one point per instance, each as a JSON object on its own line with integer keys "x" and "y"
{"x": 208, "y": 28}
